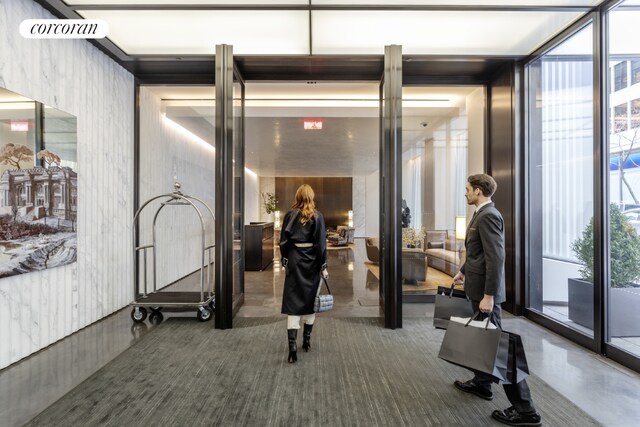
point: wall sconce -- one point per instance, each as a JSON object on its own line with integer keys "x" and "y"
{"x": 350, "y": 213}
{"x": 277, "y": 220}
{"x": 461, "y": 227}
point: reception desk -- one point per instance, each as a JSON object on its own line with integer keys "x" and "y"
{"x": 258, "y": 245}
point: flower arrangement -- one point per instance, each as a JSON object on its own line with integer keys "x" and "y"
{"x": 412, "y": 237}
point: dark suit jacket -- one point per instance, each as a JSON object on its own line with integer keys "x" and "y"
{"x": 484, "y": 266}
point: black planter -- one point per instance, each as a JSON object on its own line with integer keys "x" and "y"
{"x": 624, "y": 316}
{"x": 581, "y": 302}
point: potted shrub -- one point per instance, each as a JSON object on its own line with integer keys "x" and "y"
{"x": 269, "y": 202}
{"x": 624, "y": 294}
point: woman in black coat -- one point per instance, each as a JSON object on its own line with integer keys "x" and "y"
{"x": 303, "y": 247}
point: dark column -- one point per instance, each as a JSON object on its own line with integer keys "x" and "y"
{"x": 503, "y": 163}
{"x": 391, "y": 187}
{"x": 224, "y": 187}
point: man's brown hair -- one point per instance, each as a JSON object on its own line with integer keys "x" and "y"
{"x": 484, "y": 182}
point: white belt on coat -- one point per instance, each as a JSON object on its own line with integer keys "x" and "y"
{"x": 304, "y": 245}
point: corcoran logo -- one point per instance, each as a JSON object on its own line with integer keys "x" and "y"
{"x": 64, "y": 29}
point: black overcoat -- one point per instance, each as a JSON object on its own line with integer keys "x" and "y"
{"x": 303, "y": 263}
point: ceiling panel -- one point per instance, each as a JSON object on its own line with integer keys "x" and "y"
{"x": 178, "y": 32}
{"x": 194, "y": 2}
{"x": 347, "y": 145}
{"x": 504, "y": 3}
{"x": 435, "y": 32}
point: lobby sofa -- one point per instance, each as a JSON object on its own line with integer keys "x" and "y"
{"x": 446, "y": 255}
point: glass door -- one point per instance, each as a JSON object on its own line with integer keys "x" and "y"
{"x": 238, "y": 189}
{"x": 442, "y": 144}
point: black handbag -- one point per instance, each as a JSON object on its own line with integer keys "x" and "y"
{"x": 323, "y": 302}
{"x": 450, "y": 302}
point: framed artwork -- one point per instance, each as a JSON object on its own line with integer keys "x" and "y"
{"x": 38, "y": 186}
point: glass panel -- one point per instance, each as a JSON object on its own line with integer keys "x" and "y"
{"x": 238, "y": 189}
{"x": 435, "y": 32}
{"x": 623, "y": 287}
{"x": 177, "y": 139}
{"x": 560, "y": 134}
{"x": 442, "y": 143}
{"x": 175, "y": 32}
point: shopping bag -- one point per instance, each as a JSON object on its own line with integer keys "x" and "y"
{"x": 450, "y": 302}
{"x": 517, "y": 366}
{"x": 476, "y": 345}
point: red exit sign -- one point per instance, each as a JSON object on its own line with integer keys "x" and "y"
{"x": 17, "y": 126}
{"x": 312, "y": 124}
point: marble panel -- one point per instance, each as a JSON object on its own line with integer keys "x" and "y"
{"x": 40, "y": 308}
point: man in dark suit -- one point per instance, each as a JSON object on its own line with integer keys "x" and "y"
{"x": 483, "y": 277}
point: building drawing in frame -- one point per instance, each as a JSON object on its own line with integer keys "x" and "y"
{"x": 38, "y": 190}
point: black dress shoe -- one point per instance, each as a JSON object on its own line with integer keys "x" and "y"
{"x": 514, "y": 418}
{"x": 473, "y": 388}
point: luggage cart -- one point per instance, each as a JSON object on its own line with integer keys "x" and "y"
{"x": 155, "y": 300}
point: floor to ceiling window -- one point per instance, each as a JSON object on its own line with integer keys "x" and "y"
{"x": 442, "y": 143}
{"x": 560, "y": 182}
{"x": 623, "y": 286}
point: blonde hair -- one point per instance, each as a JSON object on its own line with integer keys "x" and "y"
{"x": 304, "y": 202}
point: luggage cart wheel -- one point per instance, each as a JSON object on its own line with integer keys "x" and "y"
{"x": 155, "y": 318}
{"x": 204, "y": 313}
{"x": 138, "y": 314}
{"x": 212, "y": 305}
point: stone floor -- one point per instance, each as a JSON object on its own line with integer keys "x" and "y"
{"x": 607, "y": 391}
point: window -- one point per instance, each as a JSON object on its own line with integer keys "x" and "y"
{"x": 622, "y": 286}
{"x": 560, "y": 137}
{"x": 620, "y": 76}
{"x": 635, "y": 113}
{"x": 635, "y": 72}
{"x": 620, "y": 118}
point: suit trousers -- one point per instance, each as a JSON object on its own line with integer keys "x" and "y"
{"x": 519, "y": 394}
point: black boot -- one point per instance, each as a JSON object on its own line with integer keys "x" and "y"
{"x": 293, "y": 348}
{"x": 306, "y": 337}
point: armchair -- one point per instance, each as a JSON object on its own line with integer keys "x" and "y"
{"x": 373, "y": 249}
{"x": 343, "y": 237}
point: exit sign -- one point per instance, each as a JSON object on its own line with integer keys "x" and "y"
{"x": 19, "y": 126}
{"x": 312, "y": 124}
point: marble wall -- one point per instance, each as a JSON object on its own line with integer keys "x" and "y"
{"x": 37, "y": 309}
{"x": 360, "y": 205}
{"x": 169, "y": 151}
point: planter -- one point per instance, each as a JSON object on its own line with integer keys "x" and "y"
{"x": 581, "y": 302}
{"x": 624, "y": 316}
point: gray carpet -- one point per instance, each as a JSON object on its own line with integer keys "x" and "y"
{"x": 357, "y": 374}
